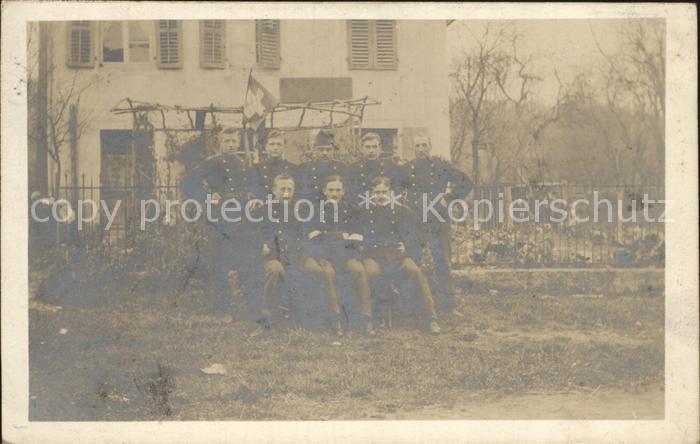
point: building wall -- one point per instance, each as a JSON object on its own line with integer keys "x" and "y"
{"x": 414, "y": 96}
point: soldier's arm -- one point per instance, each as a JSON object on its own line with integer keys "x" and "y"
{"x": 191, "y": 184}
{"x": 354, "y": 229}
{"x": 459, "y": 182}
{"x": 397, "y": 179}
{"x": 406, "y": 181}
{"x": 410, "y": 229}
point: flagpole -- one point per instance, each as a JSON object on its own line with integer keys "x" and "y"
{"x": 246, "y": 147}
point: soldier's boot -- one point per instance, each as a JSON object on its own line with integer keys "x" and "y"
{"x": 234, "y": 287}
{"x": 262, "y": 327}
{"x": 434, "y": 327}
{"x": 457, "y": 313}
{"x": 369, "y": 327}
{"x": 338, "y": 327}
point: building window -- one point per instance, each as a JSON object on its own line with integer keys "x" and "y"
{"x": 372, "y": 44}
{"x": 212, "y": 38}
{"x": 267, "y": 43}
{"x": 80, "y": 38}
{"x": 169, "y": 44}
{"x": 112, "y": 42}
{"x": 125, "y": 42}
{"x": 139, "y": 42}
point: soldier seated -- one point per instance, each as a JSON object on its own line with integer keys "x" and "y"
{"x": 283, "y": 246}
{"x": 388, "y": 230}
{"x": 335, "y": 240}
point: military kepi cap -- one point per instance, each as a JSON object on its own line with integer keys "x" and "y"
{"x": 323, "y": 138}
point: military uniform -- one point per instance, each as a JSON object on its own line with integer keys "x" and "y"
{"x": 312, "y": 176}
{"x": 429, "y": 177}
{"x": 226, "y": 175}
{"x": 287, "y": 242}
{"x": 385, "y": 229}
{"x": 262, "y": 175}
{"x": 366, "y": 170}
{"x": 338, "y": 243}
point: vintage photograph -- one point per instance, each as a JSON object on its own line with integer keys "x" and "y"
{"x": 340, "y": 219}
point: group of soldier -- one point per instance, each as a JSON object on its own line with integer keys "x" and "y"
{"x": 376, "y": 243}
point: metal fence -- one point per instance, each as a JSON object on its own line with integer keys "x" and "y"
{"x": 626, "y": 232}
{"x": 565, "y": 225}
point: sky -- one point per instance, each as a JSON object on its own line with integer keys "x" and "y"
{"x": 567, "y": 44}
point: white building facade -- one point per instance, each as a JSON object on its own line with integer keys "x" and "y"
{"x": 402, "y": 64}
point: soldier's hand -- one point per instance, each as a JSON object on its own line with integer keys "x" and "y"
{"x": 215, "y": 198}
{"x": 265, "y": 250}
{"x": 402, "y": 247}
{"x": 314, "y": 233}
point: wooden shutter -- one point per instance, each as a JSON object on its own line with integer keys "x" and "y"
{"x": 385, "y": 44}
{"x": 372, "y": 44}
{"x": 212, "y": 37}
{"x": 267, "y": 43}
{"x": 360, "y": 42}
{"x": 169, "y": 43}
{"x": 80, "y": 44}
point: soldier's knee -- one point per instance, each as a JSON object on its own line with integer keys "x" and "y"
{"x": 274, "y": 267}
{"x": 372, "y": 268}
{"x": 411, "y": 267}
{"x": 355, "y": 267}
{"x": 327, "y": 268}
{"x": 312, "y": 267}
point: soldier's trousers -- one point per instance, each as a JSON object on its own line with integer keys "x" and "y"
{"x": 439, "y": 241}
{"x": 323, "y": 275}
{"x": 403, "y": 269}
{"x": 226, "y": 249}
{"x": 356, "y": 269}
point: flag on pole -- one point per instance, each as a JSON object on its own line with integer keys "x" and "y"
{"x": 258, "y": 102}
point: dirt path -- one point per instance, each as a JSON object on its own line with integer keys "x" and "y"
{"x": 602, "y": 404}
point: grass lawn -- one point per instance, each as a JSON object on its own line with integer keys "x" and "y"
{"x": 139, "y": 357}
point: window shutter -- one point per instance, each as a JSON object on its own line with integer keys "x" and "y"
{"x": 372, "y": 44}
{"x": 80, "y": 44}
{"x": 360, "y": 40}
{"x": 267, "y": 39}
{"x": 385, "y": 44}
{"x": 212, "y": 36}
{"x": 169, "y": 43}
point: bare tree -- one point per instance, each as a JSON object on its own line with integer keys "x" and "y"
{"x": 634, "y": 91}
{"x": 477, "y": 101}
{"x": 58, "y": 122}
{"x": 494, "y": 86}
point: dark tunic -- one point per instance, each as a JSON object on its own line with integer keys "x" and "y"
{"x": 365, "y": 171}
{"x": 313, "y": 174}
{"x": 431, "y": 176}
{"x": 262, "y": 175}
{"x": 225, "y": 174}
{"x": 385, "y": 228}
{"x": 286, "y": 239}
{"x": 330, "y": 244}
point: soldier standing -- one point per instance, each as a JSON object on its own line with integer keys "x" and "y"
{"x": 335, "y": 241}
{"x": 281, "y": 234}
{"x": 425, "y": 178}
{"x": 263, "y": 173}
{"x": 216, "y": 179}
{"x": 313, "y": 172}
{"x": 389, "y": 230}
{"x": 373, "y": 165}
